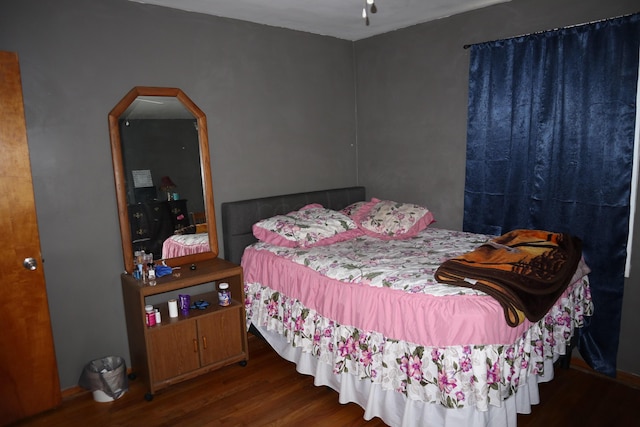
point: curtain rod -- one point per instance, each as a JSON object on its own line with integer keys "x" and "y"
{"x": 467, "y": 46}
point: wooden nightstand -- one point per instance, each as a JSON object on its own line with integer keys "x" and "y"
{"x": 188, "y": 345}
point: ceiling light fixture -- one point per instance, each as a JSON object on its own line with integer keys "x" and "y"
{"x": 372, "y": 9}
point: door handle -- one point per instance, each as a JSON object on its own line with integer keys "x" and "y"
{"x": 30, "y": 263}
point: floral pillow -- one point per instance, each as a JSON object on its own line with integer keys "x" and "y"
{"x": 389, "y": 220}
{"x": 312, "y": 225}
{"x": 353, "y": 209}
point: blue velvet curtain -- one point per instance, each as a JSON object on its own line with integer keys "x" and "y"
{"x": 550, "y": 146}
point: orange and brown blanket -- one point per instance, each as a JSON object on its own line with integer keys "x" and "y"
{"x": 525, "y": 270}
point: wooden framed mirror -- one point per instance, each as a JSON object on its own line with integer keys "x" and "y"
{"x": 161, "y": 166}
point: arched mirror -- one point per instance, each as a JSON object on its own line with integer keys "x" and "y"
{"x": 161, "y": 166}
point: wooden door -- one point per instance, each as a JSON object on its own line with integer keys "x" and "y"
{"x": 29, "y": 381}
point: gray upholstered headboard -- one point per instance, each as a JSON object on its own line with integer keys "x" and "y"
{"x": 239, "y": 217}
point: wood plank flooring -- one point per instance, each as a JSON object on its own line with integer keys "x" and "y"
{"x": 269, "y": 392}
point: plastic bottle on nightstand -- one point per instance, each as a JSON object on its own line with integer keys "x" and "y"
{"x": 150, "y": 315}
{"x": 224, "y": 294}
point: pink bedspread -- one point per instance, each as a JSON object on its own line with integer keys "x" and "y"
{"x": 371, "y": 292}
{"x": 185, "y": 244}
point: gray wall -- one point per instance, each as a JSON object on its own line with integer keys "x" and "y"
{"x": 274, "y": 99}
{"x": 280, "y": 108}
{"x": 412, "y": 114}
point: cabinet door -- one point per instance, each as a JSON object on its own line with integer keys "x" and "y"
{"x": 220, "y": 335}
{"x": 173, "y": 350}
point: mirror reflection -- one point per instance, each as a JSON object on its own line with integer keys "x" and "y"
{"x": 162, "y": 177}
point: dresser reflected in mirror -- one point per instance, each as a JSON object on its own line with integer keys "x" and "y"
{"x": 162, "y": 173}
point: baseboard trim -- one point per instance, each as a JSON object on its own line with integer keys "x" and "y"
{"x": 71, "y": 392}
{"x": 626, "y": 378}
{"x": 75, "y": 391}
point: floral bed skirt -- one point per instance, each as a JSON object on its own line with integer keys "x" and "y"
{"x": 476, "y": 376}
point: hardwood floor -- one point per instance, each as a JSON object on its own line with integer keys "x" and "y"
{"x": 579, "y": 397}
{"x": 269, "y": 392}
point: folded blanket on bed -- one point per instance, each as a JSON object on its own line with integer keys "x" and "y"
{"x": 525, "y": 270}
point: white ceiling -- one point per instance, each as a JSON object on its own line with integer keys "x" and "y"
{"x": 337, "y": 18}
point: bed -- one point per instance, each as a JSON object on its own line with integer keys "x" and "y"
{"x": 178, "y": 245}
{"x": 378, "y": 328}
{"x": 192, "y": 239}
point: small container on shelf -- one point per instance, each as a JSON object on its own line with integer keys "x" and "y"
{"x": 184, "y": 303}
{"x": 224, "y": 294}
{"x": 150, "y": 315}
{"x": 173, "y": 308}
